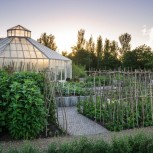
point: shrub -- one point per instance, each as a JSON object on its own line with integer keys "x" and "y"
{"x": 52, "y": 148}
{"x": 78, "y": 71}
{"x": 4, "y": 83}
{"x": 99, "y": 80}
{"x": 37, "y": 78}
{"x": 75, "y": 89}
{"x": 29, "y": 149}
{"x": 139, "y": 143}
{"x": 121, "y": 145}
{"x": 26, "y": 110}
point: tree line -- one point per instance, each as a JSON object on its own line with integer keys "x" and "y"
{"x": 104, "y": 54}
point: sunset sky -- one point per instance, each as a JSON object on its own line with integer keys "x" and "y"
{"x": 63, "y": 18}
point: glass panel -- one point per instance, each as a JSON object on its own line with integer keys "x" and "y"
{"x": 39, "y": 55}
{"x": 20, "y": 54}
{"x": 25, "y": 47}
{"x": 26, "y": 34}
{"x": 27, "y": 60}
{"x": 20, "y": 61}
{"x": 33, "y": 55}
{"x": 34, "y": 61}
{"x": 26, "y": 54}
{"x": 9, "y": 33}
{"x": 18, "y": 47}
{"x": 59, "y": 74}
{"x": 13, "y": 41}
{"x": 22, "y": 33}
{"x": 8, "y": 47}
{"x": 2, "y": 54}
{"x": 40, "y": 63}
{"x": 63, "y": 74}
{"x": 7, "y": 53}
{"x": 14, "y": 54}
{"x": 43, "y": 56}
{"x": 17, "y": 40}
{"x": 12, "y": 46}
{"x": 23, "y": 41}
{"x": 13, "y": 32}
{"x": 30, "y": 47}
{"x": 46, "y": 63}
{"x": 29, "y": 34}
{"x": 17, "y": 33}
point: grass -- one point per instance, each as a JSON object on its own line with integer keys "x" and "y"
{"x": 139, "y": 143}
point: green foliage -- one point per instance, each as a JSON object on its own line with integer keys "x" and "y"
{"x": 139, "y": 143}
{"x": 99, "y": 80}
{"x": 109, "y": 55}
{"x": 99, "y": 51}
{"x": 4, "y": 83}
{"x": 22, "y": 108}
{"x": 125, "y": 42}
{"x": 13, "y": 151}
{"x": 24, "y": 149}
{"x": 48, "y": 41}
{"x": 37, "y": 78}
{"x": 1, "y": 149}
{"x": 26, "y": 110}
{"x": 74, "y": 89}
{"x": 116, "y": 115}
{"x": 29, "y": 149}
{"x": 121, "y": 145}
{"x": 78, "y": 71}
{"x": 139, "y": 58}
{"x": 52, "y": 148}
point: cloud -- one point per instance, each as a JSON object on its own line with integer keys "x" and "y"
{"x": 149, "y": 33}
{"x": 144, "y": 30}
{"x": 150, "y": 42}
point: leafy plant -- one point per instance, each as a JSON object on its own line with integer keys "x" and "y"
{"x": 37, "y": 78}
{"x": 74, "y": 89}
{"x": 4, "y": 83}
{"x": 118, "y": 115}
{"x": 26, "y": 110}
{"x": 78, "y": 71}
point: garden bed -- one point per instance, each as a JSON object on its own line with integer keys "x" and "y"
{"x": 53, "y": 131}
{"x": 118, "y": 115}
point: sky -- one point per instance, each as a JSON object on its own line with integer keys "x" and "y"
{"x": 63, "y": 19}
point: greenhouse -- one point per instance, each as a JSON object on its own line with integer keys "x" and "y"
{"x": 19, "y": 48}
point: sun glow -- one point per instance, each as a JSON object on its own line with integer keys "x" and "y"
{"x": 65, "y": 40}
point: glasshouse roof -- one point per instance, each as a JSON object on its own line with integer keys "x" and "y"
{"x": 19, "y": 44}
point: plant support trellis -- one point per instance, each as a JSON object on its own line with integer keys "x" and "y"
{"x": 124, "y": 102}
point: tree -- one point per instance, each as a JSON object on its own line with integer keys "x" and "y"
{"x": 130, "y": 60}
{"x": 99, "y": 50}
{"x": 110, "y": 60}
{"x": 114, "y": 49}
{"x": 48, "y": 41}
{"x": 80, "y": 42}
{"x": 64, "y": 53}
{"x": 90, "y": 48}
{"x": 125, "y": 43}
{"x": 144, "y": 56}
{"x": 139, "y": 58}
{"x": 80, "y": 55}
{"x": 90, "y": 45}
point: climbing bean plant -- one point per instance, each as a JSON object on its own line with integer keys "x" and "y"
{"x": 126, "y": 104}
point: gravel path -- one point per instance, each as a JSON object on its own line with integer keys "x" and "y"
{"x": 78, "y": 124}
{"x": 78, "y": 131}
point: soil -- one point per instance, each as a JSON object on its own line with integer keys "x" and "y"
{"x": 53, "y": 131}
